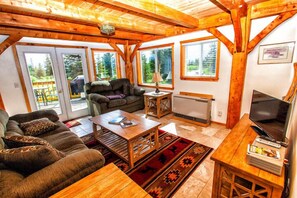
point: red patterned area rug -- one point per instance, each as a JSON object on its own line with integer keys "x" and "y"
{"x": 161, "y": 172}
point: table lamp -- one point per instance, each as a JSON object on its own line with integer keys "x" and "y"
{"x": 156, "y": 79}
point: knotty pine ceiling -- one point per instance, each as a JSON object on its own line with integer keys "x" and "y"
{"x": 135, "y": 21}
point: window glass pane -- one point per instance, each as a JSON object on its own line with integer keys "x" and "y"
{"x": 200, "y": 59}
{"x": 164, "y": 57}
{"x": 148, "y": 65}
{"x": 75, "y": 80}
{"x": 156, "y": 60}
{"x": 41, "y": 72}
{"x": 105, "y": 65}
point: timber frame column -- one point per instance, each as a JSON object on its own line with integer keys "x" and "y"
{"x": 128, "y": 57}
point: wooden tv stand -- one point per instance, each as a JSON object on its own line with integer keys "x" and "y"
{"x": 233, "y": 176}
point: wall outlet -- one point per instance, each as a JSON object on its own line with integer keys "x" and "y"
{"x": 220, "y": 113}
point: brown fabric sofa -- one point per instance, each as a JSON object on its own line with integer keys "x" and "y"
{"x": 106, "y": 96}
{"x": 78, "y": 163}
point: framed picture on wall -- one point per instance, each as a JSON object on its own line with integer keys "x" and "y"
{"x": 276, "y": 53}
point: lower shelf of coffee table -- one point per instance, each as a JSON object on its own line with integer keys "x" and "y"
{"x": 119, "y": 146}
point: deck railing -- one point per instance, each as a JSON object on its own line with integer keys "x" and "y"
{"x": 49, "y": 90}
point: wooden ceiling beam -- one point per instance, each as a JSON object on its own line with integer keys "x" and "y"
{"x": 214, "y": 21}
{"x": 60, "y": 36}
{"x": 54, "y": 9}
{"x": 275, "y": 23}
{"x": 222, "y": 4}
{"x": 29, "y": 22}
{"x": 222, "y": 38}
{"x": 235, "y": 15}
{"x": 153, "y": 10}
{"x": 272, "y": 7}
{"x": 12, "y": 39}
{"x": 133, "y": 54}
{"x": 118, "y": 50}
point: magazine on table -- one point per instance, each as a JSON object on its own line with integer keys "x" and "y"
{"x": 117, "y": 120}
{"x": 271, "y": 153}
{"x": 128, "y": 123}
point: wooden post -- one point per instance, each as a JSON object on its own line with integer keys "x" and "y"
{"x": 236, "y": 88}
{"x": 128, "y": 64}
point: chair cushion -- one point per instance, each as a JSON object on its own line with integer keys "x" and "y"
{"x": 29, "y": 159}
{"x": 38, "y": 126}
{"x": 116, "y": 103}
{"x": 131, "y": 99}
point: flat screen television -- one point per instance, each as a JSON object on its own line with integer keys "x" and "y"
{"x": 271, "y": 115}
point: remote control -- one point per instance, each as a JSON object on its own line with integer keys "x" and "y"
{"x": 269, "y": 143}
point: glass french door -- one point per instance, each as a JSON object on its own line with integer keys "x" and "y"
{"x": 54, "y": 78}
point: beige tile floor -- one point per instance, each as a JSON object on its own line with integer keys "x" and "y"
{"x": 199, "y": 184}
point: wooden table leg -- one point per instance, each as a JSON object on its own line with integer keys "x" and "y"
{"x": 156, "y": 138}
{"x": 158, "y": 107}
{"x": 146, "y": 105}
{"x": 94, "y": 129}
{"x": 130, "y": 155}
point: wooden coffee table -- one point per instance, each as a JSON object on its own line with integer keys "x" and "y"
{"x": 130, "y": 144}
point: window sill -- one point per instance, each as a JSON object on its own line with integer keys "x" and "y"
{"x": 200, "y": 78}
{"x": 169, "y": 87}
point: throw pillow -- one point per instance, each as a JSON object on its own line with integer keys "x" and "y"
{"x": 29, "y": 159}
{"x": 19, "y": 141}
{"x": 38, "y": 126}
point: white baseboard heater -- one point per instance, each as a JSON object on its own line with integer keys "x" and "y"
{"x": 192, "y": 108}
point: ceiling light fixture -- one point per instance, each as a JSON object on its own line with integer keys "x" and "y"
{"x": 107, "y": 29}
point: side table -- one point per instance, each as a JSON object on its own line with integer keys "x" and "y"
{"x": 159, "y": 104}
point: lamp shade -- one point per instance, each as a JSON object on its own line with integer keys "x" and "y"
{"x": 157, "y": 77}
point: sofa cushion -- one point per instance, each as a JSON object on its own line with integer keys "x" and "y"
{"x": 38, "y": 126}
{"x": 13, "y": 128}
{"x": 99, "y": 86}
{"x": 29, "y": 159}
{"x": 116, "y": 103}
{"x": 98, "y": 98}
{"x": 26, "y": 117}
{"x": 3, "y": 121}
{"x": 131, "y": 99}
{"x": 119, "y": 83}
{"x": 65, "y": 141}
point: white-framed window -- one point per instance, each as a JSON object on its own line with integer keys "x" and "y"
{"x": 156, "y": 59}
{"x": 200, "y": 59}
{"x": 106, "y": 64}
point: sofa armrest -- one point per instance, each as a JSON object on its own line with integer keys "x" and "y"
{"x": 26, "y": 117}
{"x": 98, "y": 98}
{"x": 59, "y": 175}
{"x": 138, "y": 91}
